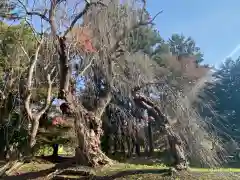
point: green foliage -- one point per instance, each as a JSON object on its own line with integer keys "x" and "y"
{"x": 222, "y": 95}
{"x": 59, "y": 134}
{"x": 180, "y": 45}
{"x": 13, "y": 133}
{"x": 13, "y": 40}
{"x": 144, "y": 39}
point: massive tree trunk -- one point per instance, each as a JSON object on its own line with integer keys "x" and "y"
{"x": 88, "y": 125}
{"x": 89, "y": 132}
{"x": 176, "y": 148}
{"x": 88, "y": 129}
{"x": 176, "y": 144}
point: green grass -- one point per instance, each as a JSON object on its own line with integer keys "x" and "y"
{"x": 233, "y": 170}
{"x": 193, "y": 173}
{"x": 109, "y": 170}
{"x": 147, "y": 172}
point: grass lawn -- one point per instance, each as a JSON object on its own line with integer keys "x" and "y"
{"x": 233, "y": 170}
{"x": 124, "y": 171}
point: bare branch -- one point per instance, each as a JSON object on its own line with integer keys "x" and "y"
{"x": 33, "y": 64}
{"x": 43, "y": 16}
{"x": 30, "y": 77}
{"x": 48, "y": 101}
{"x": 51, "y": 17}
{"x": 124, "y": 34}
{"x": 154, "y": 17}
{"x": 25, "y": 52}
{"x": 144, "y": 8}
{"x": 2, "y": 96}
{"x": 137, "y": 88}
{"x": 85, "y": 10}
{"x": 32, "y": 13}
{"x": 86, "y": 68}
{"x": 33, "y": 30}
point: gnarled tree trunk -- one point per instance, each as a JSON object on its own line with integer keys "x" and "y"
{"x": 88, "y": 125}
{"x": 176, "y": 148}
{"x": 88, "y": 129}
{"x": 89, "y": 132}
{"x": 176, "y": 144}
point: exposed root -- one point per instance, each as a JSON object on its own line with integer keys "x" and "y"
{"x": 77, "y": 170}
{"x": 9, "y": 167}
{"x": 92, "y": 158}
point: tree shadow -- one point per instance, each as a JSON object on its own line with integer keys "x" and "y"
{"x": 120, "y": 174}
{"x": 151, "y": 160}
{"x": 84, "y": 175}
{"x": 162, "y": 172}
{"x": 42, "y": 173}
{"x": 55, "y": 159}
{"x": 66, "y": 163}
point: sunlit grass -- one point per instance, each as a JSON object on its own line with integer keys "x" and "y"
{"x": 236, "y": 170}
{"x": 126, "y": 167}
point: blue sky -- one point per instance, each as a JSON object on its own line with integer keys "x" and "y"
{"x": 213, "y": 24}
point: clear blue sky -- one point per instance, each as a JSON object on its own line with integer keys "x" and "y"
{"x": 213, "y": 24}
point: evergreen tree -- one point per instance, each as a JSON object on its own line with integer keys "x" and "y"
{"x": 223, "y": 96}
{"x": 180, "y": 45}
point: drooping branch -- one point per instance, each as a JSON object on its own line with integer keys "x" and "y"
{"x": 112, "y": 56}
{"x": 34, "y": 13}
{"x": 142, "y": 22}
{"x": 175, "y": 142}
{"x": 144, "y": 102}
{"x": 137, "y": 88}
{"x": 81, "y": 14}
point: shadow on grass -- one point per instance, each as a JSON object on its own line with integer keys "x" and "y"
{"x": 55, "y": 159}
{"x": 67, "y": 162}
{"x": 162, "y": 172}
{"x": 133, "y": 172}
{"x": 155, "y": 158}
{"x": 42, "y": 173}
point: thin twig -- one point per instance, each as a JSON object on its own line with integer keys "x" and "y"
{"x": 81, "y": 14}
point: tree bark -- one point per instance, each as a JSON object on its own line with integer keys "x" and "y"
{"x": 150, "y": 138}
{"x": 55, "y": 150}
{"x": 89, "y": 132}
{"x": 176, "y": 148}
{"x": 34, "y": 130}
{"x": 88, "y": 126}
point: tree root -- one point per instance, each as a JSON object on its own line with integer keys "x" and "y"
{"x": 77, "y": 170}
{"x": 10, "y": 167}
{"x": 92, "y": 157}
